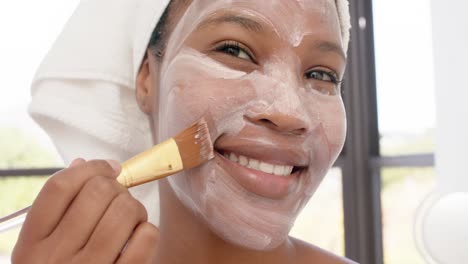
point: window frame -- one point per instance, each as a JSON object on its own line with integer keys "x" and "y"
{"x": 361, "y": 159}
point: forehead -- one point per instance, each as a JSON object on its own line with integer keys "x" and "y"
{"x": 285, "y": 7}
{"x": 291, "y": 18}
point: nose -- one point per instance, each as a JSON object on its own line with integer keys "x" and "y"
{"x": 279, "y": 122}
{"x": 280, "y": 106}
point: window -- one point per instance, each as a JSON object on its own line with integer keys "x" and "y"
{"x": 25, "y": 150}
{"x": 391, "y": 128}
{"x": 403, "y": 191}
{"x": 406, "y": 107}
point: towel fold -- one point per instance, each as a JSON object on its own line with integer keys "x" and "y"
{"x": 83, "y": 92}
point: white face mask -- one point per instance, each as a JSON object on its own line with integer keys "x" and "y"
{"x": 278, "y": 113}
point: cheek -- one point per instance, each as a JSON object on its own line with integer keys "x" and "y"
{"x": 193, "y": 96}
{"x": 334, "y": 124}
{"x": 194, "y": 86}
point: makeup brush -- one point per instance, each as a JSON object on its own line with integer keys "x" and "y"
{"x": 187, "y": 150}
{"x": 190, "y": 148}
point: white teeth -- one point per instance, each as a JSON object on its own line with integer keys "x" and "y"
{"x": 288, "y": 169}
{"x": 233, "y": 157}
{"x": 254, "y": 164}
{"x": 243, "y": 160}
{"x": 266, "y": 167}
{"x": 279, "y": 170}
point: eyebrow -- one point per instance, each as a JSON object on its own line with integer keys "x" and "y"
{"x": 327, "y": 46}
{"x": 242, "y": 21}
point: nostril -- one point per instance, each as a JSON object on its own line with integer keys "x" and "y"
{"x": 299, "y": 131}
{"x": 282, "y": 123}
{"x": 266, "y": 121}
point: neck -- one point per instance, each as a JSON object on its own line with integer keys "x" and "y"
{"x": 184, "y": 236}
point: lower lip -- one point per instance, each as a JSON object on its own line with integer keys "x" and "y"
{"x": 258, "y": 182}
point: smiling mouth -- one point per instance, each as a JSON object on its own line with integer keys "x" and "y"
{"x": 262, "y": 166}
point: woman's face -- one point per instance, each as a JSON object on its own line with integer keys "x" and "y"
{"x": 265, "y": 74}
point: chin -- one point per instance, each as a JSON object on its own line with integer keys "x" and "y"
{"x": 234, "y": 214}
{"x": 246, "y": 238}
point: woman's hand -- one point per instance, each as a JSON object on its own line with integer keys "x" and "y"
{"x": 83, "y": 215}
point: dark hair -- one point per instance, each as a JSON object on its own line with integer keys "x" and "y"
{"x": 157, "y": 43}
{"x": 160, "y": 35}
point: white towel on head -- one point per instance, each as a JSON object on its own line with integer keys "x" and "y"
{"x": 83, "y": 92}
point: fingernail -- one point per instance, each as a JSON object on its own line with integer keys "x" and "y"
{"x": 115, "y": 165}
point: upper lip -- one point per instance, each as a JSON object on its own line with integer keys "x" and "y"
{"x": 270, "y": 150}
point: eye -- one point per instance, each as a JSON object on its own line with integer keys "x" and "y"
{"x": 329, "y": 84}
{"x": 322, "y": 75}
{"x": 235, "y": 49}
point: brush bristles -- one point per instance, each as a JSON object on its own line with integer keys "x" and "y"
{"x": 195, "y": 145}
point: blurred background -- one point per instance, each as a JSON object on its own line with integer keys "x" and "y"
{"x": 368, "y": 200}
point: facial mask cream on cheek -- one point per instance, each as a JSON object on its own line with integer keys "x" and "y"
{"x": 196, "y": 85}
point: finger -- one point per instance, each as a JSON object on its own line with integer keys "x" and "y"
{"x": 142, "y": 246}
{"x": 115, "y": 228}
{"x": 85, "y": 213}
{"x": 57, "y": 194}
{"x": 76, "y": 162}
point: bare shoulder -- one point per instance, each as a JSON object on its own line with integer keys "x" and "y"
{"x": 307, "y": 253}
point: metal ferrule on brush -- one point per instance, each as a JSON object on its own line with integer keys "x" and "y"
{"x": 158, "y": 162}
